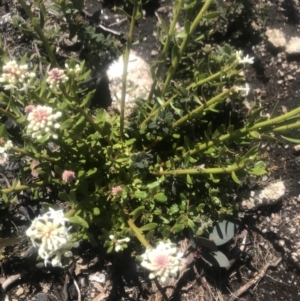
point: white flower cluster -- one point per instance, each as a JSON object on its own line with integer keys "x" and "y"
{"x": 74, "y": 70}
{"x": 245, "y": 60}
{"x": 245, "y": 89}
{"x": 56, "y": 77}
{"x": 118, "y": 242}
{"x": 50, "y": 235}
{"x": 164, "y": 261}
{"x": 3, "y": 154}
{"x": 42, "y": 121}
{"x": 13, "y": 74}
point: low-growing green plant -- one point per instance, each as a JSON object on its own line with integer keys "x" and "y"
{"x": 150, "y": 176}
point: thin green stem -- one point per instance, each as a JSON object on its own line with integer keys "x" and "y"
{"x": 287, "y": 127}
{"x": 125, "y": 64}
{"x": 191, "y": 86}
{"x": 261, "y": 127}
{"x": 182, "y": 48}
{"x": 8, "y": 114}
{"x": 32, "y": 155}
{"x": 200, "y": 109}
{"x": 184, "y": 43}
{"x": 201, "y": 171}
{"x": 138, "y": 234}
{"x": 170, "y": 35}
{"x": 22, "y": 187}
{"x": 39, "y": 31}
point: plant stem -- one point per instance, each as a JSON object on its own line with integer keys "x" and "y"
{"x": 199, "y": 147}
{"x": 184, "y": 43}
{"x": 39, "y": 31}
{"x": 31, "y": 155}
{"x": 201, "y": 171}
{"x": 8, "y": 114}
{"x": 182, "y": 47}
{"x": 138, "y": 234}
{"x": 191, "y": 86}
{"x": 125, "y": 64}
{"x": 200, "y": 109}
{"x": 178, "y": 6}
{"x": 22, "y": 187}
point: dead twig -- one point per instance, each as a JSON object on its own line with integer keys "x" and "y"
{"x": 65, "y": 289}
{"x": 77, "y": 288}
{"x": 257, "y": 278}
{"x": 10, "y": 280}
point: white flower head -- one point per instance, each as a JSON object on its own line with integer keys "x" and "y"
{"x": 164, "y": 261}
{"x": 42, "y": 121}
{"x": 74, "y": 70}
{"x": 3, "y": 150}
{"x": 245, "y": 60}
{"x": 50, "y": 235}
{"x": 245, "y": 89}
{"x": 56, "y": 77}
{"x": 16, "y": 76}
{"x": 118, "y": 242}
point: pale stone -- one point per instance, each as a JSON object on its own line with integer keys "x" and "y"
{"x": 269, "y": 195}
{"x": 276, "y": 37}
{"x": 139, "y": 81}
{"x": 293, "y": 46}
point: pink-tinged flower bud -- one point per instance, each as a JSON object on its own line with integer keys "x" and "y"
{"x": 55, "y": 77}
{"x": 41, "y": 120}
{"x": 116, "y": 190}
{"x": 29, "y": 109}
{"x": 68, "y": 176}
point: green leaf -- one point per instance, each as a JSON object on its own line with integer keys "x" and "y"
{"x": 3, "y": 132}
{"x": 293, "y": 140}
{"x": 258, "y": 171}
{"x": 140, "y": 194}
{"x": 96, "y": 211}
{"x": 35, "y": 21}
{"x": 255, "y": 134}
{"x": 161, "y": 197}
{"x": 79, "y": 221}
{"x": 137, "y": 212}
{"x": 64, "y": 196}
{"x": 92, "y": 171}
{"x": 42, "y": 15}
{"x": 235, "y": 178}
{"x": 189, "y": 179}
{"x": 153, "y": 185}
{"x": 67, "y": 124}
{"x": 178, "y": 228}
{"x": 148, "y": 227}
{"x": 175, "y": 56}
{"x": 212, "y": 15}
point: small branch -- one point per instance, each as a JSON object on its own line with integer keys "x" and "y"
{"x": 125, "y": 64}
{"x": 31, "y": 155}
{"x": 65, "y": 288}
{"x": 257, "y": 278}
{"x": 200, "y": 109}
{"x": 22, "y": 187}
{"x": 216, "y": 170}
{"x": 39, "y": 31}
{"x": 8, "y": 114}
{"x": 77, "y": 288}
{"x": 138, "y": 234}
{"x": 10, "y": 280}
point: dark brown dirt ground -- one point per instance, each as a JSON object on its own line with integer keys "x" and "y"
{"x": 280, "y": 283}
